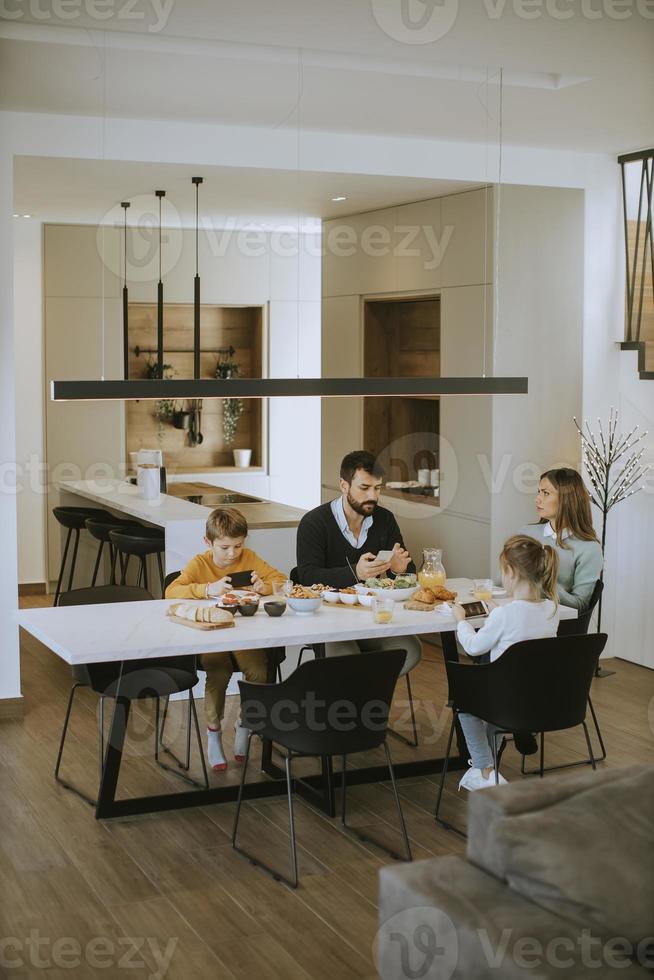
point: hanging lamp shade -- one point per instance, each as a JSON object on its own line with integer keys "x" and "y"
{"x": 160, "y": 301}
{"x": 125, "y": 205}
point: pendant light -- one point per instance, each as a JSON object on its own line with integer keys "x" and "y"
{"x": 160, "y": 325}
{"x": 125, "y": 205}
{"x": 196, "y": 288}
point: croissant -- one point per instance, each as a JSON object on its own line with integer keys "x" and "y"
{"x": 440, "y": 592}
{"x": 424, "y": 595}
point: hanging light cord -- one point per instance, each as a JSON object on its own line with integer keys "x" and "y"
{"x": 125, "y": 247}
{"x": 300, "y": 86}
{"x": 498, "y": 209}
{"x": 485, "y": 286}
{"x": 197, "y": 261}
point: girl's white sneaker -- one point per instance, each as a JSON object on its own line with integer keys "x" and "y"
{"x": 474, "y": 779}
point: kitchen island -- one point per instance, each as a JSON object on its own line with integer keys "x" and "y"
{"x": 272, "y": 525}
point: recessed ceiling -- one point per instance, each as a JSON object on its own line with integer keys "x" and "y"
{"x": 64, "y": 190}
{"x": 577, "y": 76}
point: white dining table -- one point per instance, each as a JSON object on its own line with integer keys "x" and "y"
{"x": 119, "y": 632}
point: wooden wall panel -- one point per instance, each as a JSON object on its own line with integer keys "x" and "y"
{"x": 238, "y": 327}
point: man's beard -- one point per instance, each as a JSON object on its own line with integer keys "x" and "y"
{"x": 365, "y": 509}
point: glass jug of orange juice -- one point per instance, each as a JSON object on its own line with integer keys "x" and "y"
{"x": 432, "y": 572}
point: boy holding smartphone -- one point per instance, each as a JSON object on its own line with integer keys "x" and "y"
{"x": 209, "y": 576}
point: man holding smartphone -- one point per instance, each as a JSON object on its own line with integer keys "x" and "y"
{"x": 351, "y": 539}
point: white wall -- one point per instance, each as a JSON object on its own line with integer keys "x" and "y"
{"x": 539, "y": 334}
{"x": 9, "y": 662}
{"x": 29, "y": 351}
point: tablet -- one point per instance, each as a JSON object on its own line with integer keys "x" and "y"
{"x": 475, "y": 609}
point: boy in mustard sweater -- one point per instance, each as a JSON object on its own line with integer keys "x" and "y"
{"x": 207, "y": 576}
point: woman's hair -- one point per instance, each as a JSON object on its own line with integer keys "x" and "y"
{"x": 226, "y": 524}
{"x": 573, "y": 511}
{"x": 532, "y": 562}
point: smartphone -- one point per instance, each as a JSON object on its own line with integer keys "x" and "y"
{"x": 474, "y": 609}
{"x": 384, "y": 556}
{"x": 240, "y": 580}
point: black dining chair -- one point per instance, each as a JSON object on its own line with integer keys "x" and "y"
{"x": 135, "y": 680}
{"x": 577, "y": 627}
{"x": 278, "y": 712}
{"x": 413, "y": 742}
{"x": 273, "y": 658}
{"x": 535, "y": 686}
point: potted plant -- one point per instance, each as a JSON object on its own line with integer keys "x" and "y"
{"x": 164, "y": 408}
{"x": 233, "y": 409}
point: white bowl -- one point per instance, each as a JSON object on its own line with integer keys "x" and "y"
{"x": 304, "y": 607}
{"x": 348, "y": 598}
{"x": 366, "y": 600}
{"x": 330, "y": 596}
{"x": 397, "y": 595}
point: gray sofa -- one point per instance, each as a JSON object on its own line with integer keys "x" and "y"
{"x": 558, "y": 883}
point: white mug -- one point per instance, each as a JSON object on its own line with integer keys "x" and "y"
{"x": 435, "y": 478}
{"x": 423, "y": 478}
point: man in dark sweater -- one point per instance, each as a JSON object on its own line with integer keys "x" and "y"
{"x": 354, "y": 529}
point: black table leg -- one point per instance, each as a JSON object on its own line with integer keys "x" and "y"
{"x": 112, "y": 759}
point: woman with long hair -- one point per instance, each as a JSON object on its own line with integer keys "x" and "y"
{"x": 565, "y": 523}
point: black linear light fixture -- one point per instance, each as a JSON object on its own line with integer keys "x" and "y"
{"x": 179, "y": 388}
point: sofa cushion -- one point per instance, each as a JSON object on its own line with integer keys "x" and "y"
{"x": 444, "y": 919}
{"x": 590, "y": 857}
{"x": 487, "y": 809}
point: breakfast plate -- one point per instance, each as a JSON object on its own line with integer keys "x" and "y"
{"x": 235, "y": 597}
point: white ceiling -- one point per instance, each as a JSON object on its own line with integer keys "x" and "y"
{"x": 583, "y": 81}
{"x": 54, "y": 189}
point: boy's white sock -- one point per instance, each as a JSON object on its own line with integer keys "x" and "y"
{"x": 215, "y": 753}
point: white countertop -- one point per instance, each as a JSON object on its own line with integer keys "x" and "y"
{"x": 119, "y": 495}
{"x": 124, "y": 497}
{"x": 141, "y": 630}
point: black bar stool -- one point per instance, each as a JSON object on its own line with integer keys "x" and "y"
{"x": 99, "y": 528}
{"x": 140, "y": 541}
{"x": 74, "y": 519}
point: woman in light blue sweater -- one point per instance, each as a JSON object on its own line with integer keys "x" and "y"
{"x": 563, "y": 506}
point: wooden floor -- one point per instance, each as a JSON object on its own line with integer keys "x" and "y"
{"x": 167, "y": 892}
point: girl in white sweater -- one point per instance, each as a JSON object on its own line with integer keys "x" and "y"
{"x": 529, "y": 572}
